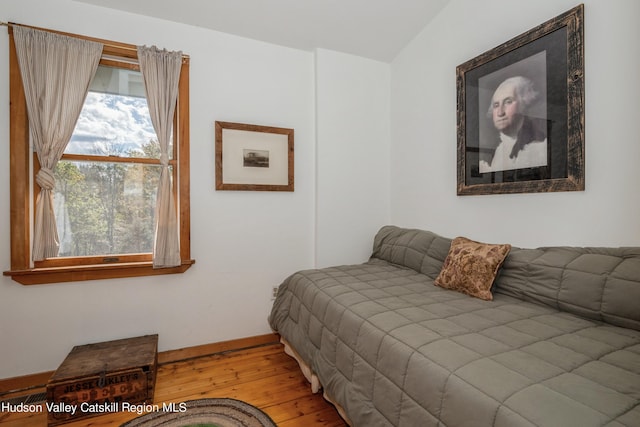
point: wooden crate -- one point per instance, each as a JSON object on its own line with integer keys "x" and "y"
{"x": 95, "y": 379}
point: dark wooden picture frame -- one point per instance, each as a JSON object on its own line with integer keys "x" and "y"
{"x": 254, "y": 158}
{"x": 549, "y": 134}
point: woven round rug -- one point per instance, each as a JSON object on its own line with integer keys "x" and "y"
{"x": 206, "y": 413}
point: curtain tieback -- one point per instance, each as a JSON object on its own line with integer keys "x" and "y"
{"x": 164, "y": 159}
{"x": 45, "y": 179}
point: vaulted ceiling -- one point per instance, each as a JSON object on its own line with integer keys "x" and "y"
{"x": 376, "y": 29}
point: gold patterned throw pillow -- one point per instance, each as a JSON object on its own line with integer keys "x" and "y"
{"x": 471, "y": 267}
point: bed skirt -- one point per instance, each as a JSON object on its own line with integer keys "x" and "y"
{"x": 312, "y": 378}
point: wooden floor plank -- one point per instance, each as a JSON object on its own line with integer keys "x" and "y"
{"x": 221, "y": 371}
{"x": 295, "y": 410}
{"x": 262, "y": 375}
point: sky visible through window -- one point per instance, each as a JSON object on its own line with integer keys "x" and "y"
{"x": 110, "y": 124}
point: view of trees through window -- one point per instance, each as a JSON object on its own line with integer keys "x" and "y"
{"x": 106, "y": 182}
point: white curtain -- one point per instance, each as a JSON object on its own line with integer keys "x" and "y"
{"x": 56, "y": 72}
{"x": 161, "y": 71}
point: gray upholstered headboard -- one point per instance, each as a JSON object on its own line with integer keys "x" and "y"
{"x": 422, "y": 251}
{"x": 596, "y": 283}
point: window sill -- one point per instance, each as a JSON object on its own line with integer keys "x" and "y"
{"x": 39, "y": 276}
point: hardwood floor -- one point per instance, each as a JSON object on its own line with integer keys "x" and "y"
{"x": 255, "y": 370}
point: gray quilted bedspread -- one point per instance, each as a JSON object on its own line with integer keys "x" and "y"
{"x": 393, "y": 349}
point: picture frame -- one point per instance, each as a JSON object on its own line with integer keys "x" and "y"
{"x": 253, "y": 157}
{"x": 520, "y": 112}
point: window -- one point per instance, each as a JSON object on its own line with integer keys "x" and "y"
{"x": 106, "y": 180}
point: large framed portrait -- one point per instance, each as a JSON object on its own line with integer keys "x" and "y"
{"x": 254, "y": 158}
{"x": 520, "y": 112}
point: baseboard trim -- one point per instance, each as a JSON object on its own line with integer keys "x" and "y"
{"x": 182, "y": 354}
{"x": 30, "y": 382}
{"x": 24, "y": 382}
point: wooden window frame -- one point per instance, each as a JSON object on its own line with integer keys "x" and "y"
{"x": 67, "y": 269}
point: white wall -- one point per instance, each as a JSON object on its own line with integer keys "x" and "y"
{"x": 244, "y": 243}
{"x": 423, "y": 165}
{"x": 352, "y": 110}
{"x": 339, "y": 105}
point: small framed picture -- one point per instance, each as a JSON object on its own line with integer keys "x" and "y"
{"x": 520, "y": 112}
{"x": 254, "y": 158}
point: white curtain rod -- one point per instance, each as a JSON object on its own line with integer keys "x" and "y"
{"x": 9, "y": 24}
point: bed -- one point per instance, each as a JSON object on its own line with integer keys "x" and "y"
{"x": 557, "y": 345}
